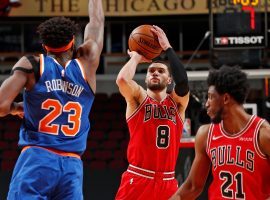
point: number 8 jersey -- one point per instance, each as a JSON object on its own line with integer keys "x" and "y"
{"x": 56, "y": 109}
{"x": 155, "y": 130}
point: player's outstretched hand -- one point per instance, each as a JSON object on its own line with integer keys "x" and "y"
{"x": 139, "y": 57}
{"x": 162, "y": 38}
{"x": 18, "y": 109}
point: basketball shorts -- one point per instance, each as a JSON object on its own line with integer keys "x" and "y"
{"x": 136, "y": 187}
{"x": 42, "y": 174}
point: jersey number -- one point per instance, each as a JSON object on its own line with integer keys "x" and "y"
{"x": 73, "y": 108}
{"x": 163, "y": 136}
{"x": 228, "y": 181}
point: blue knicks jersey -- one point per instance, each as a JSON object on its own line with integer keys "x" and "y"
{"x": 56, "y": 110}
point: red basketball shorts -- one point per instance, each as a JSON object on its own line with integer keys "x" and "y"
{"x": 141, "y": 185}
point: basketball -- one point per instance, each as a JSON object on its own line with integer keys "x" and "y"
{"x": 143, "y": 41}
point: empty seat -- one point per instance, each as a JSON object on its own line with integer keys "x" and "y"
{"x": 96, "y": 135}
{"x": 87, "y": 155}
{"x": 14, "y": 145}
{"x": 13, "y": 125}
{"x": 101, "y": 125}
{"x": 116, "y": 135}
{"x": 11, "y": 135}
{"x": 110, "y": 144}
{"x": 10, "y": 155}
{"x": 109, "y": 115}
{"x": 99, "y": 107}
{"x": 119, "y": 107}
{"x": 118, "y": 100}
{"x": 100, "y": 102}
{"x": 4, "y": 145}
{"x": 101, "y": 97}
{"x": 118, "y": 164}
{"x": 119, "y": 125}
{"x": 2, "y": 126}
{"x": 117, "y": 97}
{"x": 7, "y": 165}
{"x": 120, "y": 154}
{"x": 93, "y": 144}
{"x": 102, "y": 155}
{"x": 124, "y": 144}
{"x": 98, "y": 165}
{"x": 94, "y": 116}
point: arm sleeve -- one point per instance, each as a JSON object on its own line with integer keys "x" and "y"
{"x": 179, "y": 73}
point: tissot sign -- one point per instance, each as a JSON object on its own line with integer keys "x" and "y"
{"x": 239, "y": 24}
{"x": 111, "y": 7}
{"x": 240, "y": 41}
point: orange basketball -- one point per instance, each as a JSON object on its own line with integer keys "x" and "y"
{"x": 143, "y": 41}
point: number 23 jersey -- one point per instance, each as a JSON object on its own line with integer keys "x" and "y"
{"x": 56, "y": 109}
{"x": 155, "y": 130}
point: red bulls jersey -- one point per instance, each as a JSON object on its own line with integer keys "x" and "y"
{"x": 240, "y": 170}
{"x": 155, "y": 131}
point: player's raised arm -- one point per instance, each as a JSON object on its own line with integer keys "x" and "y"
{"x": 127, "y": 86}
{"x": 94, "y": 30}
{"x": 89, "y": 52}
{"x": 179, "y": 74}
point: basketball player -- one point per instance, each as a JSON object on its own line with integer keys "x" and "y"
{"x": 155, "y": 122}
{"x": 58, "y": 95}
{"x": 235, "y": 143}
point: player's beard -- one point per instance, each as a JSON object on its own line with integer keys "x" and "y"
{"x": 218, "y": 117}
{"x": 156, "y": 86}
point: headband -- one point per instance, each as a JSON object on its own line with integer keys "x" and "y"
{"x": 60, "y": 49}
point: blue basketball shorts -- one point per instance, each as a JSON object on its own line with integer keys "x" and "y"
{"x": 42, "y": 174}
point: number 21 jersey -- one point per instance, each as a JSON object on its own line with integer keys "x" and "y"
{"x": 240, "y": 170}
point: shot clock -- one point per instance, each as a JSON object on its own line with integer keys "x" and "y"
{"x": 238, "y": 24}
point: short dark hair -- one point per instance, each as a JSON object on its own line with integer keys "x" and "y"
{"x": 230, "y": 80}
{"x": 57, "y": 31}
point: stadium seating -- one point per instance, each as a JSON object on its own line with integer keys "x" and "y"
{"x": 107, "y": 140}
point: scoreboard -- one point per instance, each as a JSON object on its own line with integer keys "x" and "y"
{"x": 238, "y": 24}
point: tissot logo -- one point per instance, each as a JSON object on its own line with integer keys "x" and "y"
{"x": 221, "y": 41}
{"x": 224, "y": 40}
